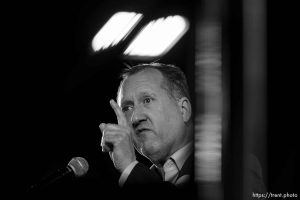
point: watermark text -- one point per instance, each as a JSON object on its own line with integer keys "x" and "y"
{"x": 268, "y": 195}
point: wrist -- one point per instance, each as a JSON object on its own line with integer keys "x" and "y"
{"x": 126, "y": 172}
{"x": 127, "y": 164}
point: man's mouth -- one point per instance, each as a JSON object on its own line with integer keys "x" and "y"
{"x": 141, "y": 130}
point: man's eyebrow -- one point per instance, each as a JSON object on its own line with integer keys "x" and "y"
{"x": 142, "y": 94}
{"x": 126, "y": 102}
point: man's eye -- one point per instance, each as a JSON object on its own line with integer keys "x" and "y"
{"x": 126, "y": 108}
{"x": 147, "y": 100}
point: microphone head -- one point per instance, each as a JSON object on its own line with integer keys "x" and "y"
{"x": 79, "y": 166}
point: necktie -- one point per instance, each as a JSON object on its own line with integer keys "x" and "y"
{"x": 170, "y": 171}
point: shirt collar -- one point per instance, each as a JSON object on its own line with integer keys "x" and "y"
{"x": 182, "y": 154}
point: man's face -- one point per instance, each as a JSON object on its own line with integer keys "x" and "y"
{"x": 155, "y": 116}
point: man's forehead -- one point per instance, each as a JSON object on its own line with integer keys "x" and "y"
{"x": 141, "y": 82}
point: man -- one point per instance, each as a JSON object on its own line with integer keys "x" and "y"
{"x": 154, "y": 117}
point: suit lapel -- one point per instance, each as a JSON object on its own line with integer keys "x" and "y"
{"x": 187, "y": 168}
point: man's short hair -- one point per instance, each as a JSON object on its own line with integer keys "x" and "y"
{"x": 174, "y": 82}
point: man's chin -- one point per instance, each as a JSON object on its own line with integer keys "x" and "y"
{"x": 154, "y": 156}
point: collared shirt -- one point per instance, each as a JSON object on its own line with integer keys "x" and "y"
{"x": 170, "y": 170}
{"x": 182, "y": 154}
{"x": 179, "y": 158}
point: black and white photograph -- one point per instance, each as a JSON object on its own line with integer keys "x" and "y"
{"x": 150, "y": 99}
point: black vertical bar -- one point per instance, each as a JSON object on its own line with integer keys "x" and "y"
{"x": 232, "y": 59}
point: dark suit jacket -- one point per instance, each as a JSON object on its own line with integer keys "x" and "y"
{"x": 147, "y": 183}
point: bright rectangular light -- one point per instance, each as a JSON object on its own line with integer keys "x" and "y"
{"x": 158, "y": 37}
{"x": 115, "y": 29}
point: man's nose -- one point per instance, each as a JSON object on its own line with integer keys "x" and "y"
{"x": 137, "y": 116}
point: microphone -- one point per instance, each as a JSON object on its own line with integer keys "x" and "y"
{"x": 77, "y": 167}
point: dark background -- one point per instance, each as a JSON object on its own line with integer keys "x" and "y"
{"x": 61, "y": 89}
{"x": 283, "y": 98}
{"x": 58, "y": 92}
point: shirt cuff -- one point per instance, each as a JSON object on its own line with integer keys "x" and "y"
{"x": 126, "y": 173}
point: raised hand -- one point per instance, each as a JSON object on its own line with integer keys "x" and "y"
{"x": 117, "y": 140}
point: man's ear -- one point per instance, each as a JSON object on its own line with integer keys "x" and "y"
{"x": 185, "y": 108}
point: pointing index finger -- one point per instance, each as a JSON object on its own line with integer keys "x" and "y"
{"x": 120, "y": 115}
